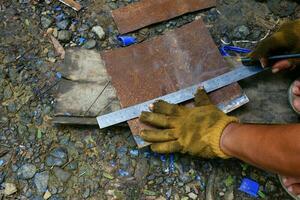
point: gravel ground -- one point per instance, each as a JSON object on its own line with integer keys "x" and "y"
{"x": 42, "y": 161}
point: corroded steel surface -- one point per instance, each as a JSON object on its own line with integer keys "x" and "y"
{"x": 146, "y": 12}
{"x": 164, "y": 64}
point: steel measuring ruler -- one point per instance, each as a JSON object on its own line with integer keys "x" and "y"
{"x": 179, "y": 96}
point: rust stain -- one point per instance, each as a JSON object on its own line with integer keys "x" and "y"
{"x": 146, "y": 12}
{"x": 164, "y": 64}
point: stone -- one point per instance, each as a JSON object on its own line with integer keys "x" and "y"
{"x": 7, "y": 92}
{"x": 61, "y": 174}
{"x": 241, "y": 32}
{"x": 86, "y": 193}
{"x": 192, "y": 195}
{"x": 57, "y": 157}
{"x": 47, "y": 195}
{"x": 98, "y": 30}
{"x": 46, "y": 21}
{"x": 41, "y": 181}
{"x": 64, "y": 36}
{"x": 26, "y": 171}
{"x": 89, "y": 44}
{"x": 10, "y": 189}
{"x": 63, "y": 25}
{"x": 282, "y": 8}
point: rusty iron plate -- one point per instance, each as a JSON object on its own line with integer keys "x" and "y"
{"x": 146, "y": 12}
{"x": 166, "y": 63}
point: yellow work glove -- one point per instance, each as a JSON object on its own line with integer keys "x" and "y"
{"x": 284, "y": 41}
{"x": 196, "y": 131}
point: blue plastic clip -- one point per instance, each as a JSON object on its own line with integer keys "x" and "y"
{"x": 225, "y": 48}
{"x": 126, "y": 40}
{"x": 250, "y": 187}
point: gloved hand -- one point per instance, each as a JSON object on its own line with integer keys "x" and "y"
{"x": 196, "y": 131}
{"x": 285, "y": 41}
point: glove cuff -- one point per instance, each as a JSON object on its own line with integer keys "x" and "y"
{"x": 216, "y": 136}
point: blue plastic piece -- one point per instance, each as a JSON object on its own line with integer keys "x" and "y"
{"x": 81, "y": 40}
{"x": 58, "y": 75}
{"x": 225, "y": 48}
{"x": 250, "y": 187}
{"x": 122, "y": 172}
{"x": 126, "y": 40}
{"x": 57, "y": 8}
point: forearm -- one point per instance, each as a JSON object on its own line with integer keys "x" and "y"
{"x": 271, "y": 147}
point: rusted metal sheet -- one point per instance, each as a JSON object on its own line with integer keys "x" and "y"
{"x": 164, "y": 64}
{"x": 146, "y": 12}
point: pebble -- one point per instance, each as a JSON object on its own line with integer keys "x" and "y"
{"x": 57, "y": 157}
{"x": 192, "y": 195}
{"x": 10, "y": 189}
{"x": 241, "y": 32}
{"x": 98, "y": 30}
{"x": 89, "y": 44}
{"x": 41, "y": 181}
{"x": 47, "y": 195}
{"x": 26, "y": 171}
{"x": 64, "y": 35}
{"x": 61, "y": 174}
{"x": 46, "y": 21}
{"x": 283, "y": 8}
{"x": 86, "y": 193}
{"x": 7, "y": 92}
{"x": 63, "y": 25}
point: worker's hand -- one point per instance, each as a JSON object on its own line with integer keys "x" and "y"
{"x": 196, "y": 131}
{"x": 285, "y": 41}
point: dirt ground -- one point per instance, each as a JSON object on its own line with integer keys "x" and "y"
{"x": 39, "y": 160}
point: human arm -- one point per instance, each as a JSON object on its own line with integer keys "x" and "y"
{"x": 271, "y": 147}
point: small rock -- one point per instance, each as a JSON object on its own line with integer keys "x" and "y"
{"x": 63, "y": 25}
{"x": 62, "y": 175}
{"x": 283, "y": 8}
{"x": 98, "y": 30}
{"x": 41, "y": 181}
{"x": 57, "y": 157}
{"x": 26, "y": 171}
{"x": 89, "y": 44}
{"x": 64, "y": 36}
{"x": 192, "y": 195}
{"x": 10, "y": 188}
{"x": 46, "y": 21}
{"x": 47, "y": 195}
{"x": 7, "y": 92}
{"x": 241, "y": 32}
{"x": 86, "y": 193}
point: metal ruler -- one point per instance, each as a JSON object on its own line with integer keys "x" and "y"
{"x": 179, "y": 96}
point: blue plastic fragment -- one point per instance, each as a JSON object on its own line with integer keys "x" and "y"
{"x": 126, "y": 40}
{"x": 58, "y": 75}
{"x": 2, "y": 162}
{"x": 81, "y": 40}
{"x": 163, "y": 158}
{"x": 225, "y": 48}
{"x": 122, "y": 172}
{"x": 202, "y": 184}
{"x": 250, "y": 187}
{"x": 74, "y": 21}
{"x": 57, "y": 8}
{"x": 134, "y": 152}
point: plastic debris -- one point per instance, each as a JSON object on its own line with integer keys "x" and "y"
{"x": 58, "y": 75}
{"x": 134, "y": 152}
{"x": 126, "y": 40}
{"x": 250, "y": 187}
{"x": 225, "y": 48}
{"x": 81, "y": 40}
{"x": 169, "y": 193}
{"x": 60, "y": 17}
{"x": 57, "y": 8}
{"x": 261, "y": 194}
{"x": 2, "y": 162}
{"x": 122, "y": 172}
